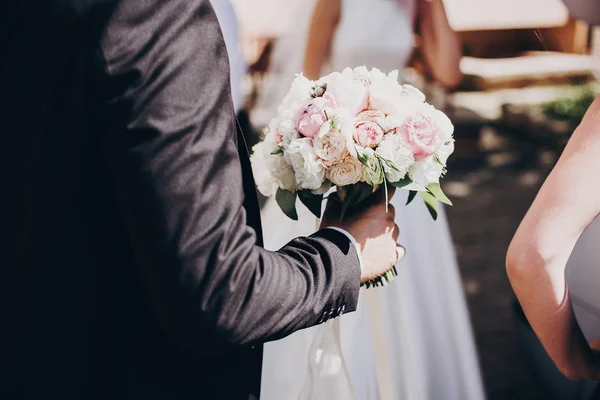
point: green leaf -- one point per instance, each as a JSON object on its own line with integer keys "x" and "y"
{"x": 362, "y": 157}
{"x": 411, "y": 196}
{"x": 287, "y": 203}
{"x": 364, "y": 190}
{"x": 357, "y": 193}
{"x": 311, "y": 201}
{"x": 278, "y": 150}
{"x": 348, "y": 200}
{"x": 385, "y": 188}
{"x": 402, "y": 183}
{"x": 431, "y": 204}
{"x": 437, "y": 192}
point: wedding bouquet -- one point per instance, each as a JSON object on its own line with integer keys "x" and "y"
{"x": 356, "y": 129}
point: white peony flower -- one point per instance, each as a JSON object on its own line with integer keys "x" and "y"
{"x": 347, "y": 172}
{"x": 376, "y": 76}
{"x": 392, "y": 149}
{"x": 265, "y": 182}
{"x": 394, "y": 99}
{"x": 373, "y": 171}
{"x": 443, "y": 122}
{"x": 287, "y": 130}
{"x": 299, "y": 94}
{"x": 308, "y": 169}
{"x": 445, "y": 151}
{"x": 348, "y": 93}
{"x": 271, "y": 171}
{"x": 425, "y": 172}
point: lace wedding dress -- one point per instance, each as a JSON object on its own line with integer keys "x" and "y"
{"x": 411, "y": 339}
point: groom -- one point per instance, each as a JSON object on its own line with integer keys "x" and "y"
{"x": 132, "y": 266}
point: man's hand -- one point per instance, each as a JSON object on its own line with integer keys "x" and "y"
{"x": 373, "y": 229}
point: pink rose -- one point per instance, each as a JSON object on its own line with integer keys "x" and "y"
{"x": 421, "y": 135}
{"x": 368, "y": 131}
{"x": 313, "y": 115}
{"x": 278, "y": 137}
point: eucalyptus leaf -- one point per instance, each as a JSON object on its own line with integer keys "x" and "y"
{"x": 437, "y": 192}
{"x": 411, "y": 196}
{"x": 287, "y": 203}
{"x": 431, "y": 204}
{"x": 402, "y": 183}
{"x": 311, "y": 201}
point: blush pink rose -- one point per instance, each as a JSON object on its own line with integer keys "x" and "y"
{"x": 313, "y": 115}
{"x": 368, "y": 131}
{"x": 421, "y": 135}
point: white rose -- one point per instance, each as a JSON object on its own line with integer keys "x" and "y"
{"x": 392, "y": 149}
{"x": 308, "y": 169}
{"x": 348, "y": 172}
{"x": 373, "y": 171}
{"x": 348, "y": 93}
{"x": 332, "y": 142}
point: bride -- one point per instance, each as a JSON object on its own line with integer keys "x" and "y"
{"x": 411, "y": 339}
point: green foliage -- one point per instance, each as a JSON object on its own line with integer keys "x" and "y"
{"x": 287, "y": 202}
{"x": 571, "y": 108}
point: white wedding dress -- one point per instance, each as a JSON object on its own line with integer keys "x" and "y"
{"x": 411, "y": 339}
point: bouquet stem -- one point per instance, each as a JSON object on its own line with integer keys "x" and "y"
{"x": 381, "y": 280}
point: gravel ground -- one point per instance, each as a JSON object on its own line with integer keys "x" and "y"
{"x": 489, "y": 203}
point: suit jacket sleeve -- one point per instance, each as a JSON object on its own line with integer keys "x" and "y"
{"x": 171, "y": 147}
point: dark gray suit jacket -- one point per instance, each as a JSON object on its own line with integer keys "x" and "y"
{"x": 132, "y": 266}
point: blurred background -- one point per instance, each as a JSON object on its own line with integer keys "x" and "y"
{"x": 527, "y": 78}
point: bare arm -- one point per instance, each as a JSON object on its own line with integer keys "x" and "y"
{"x": 440, "y": 44}
{"x": 567, "y": 203}
{"x": 322, "y": 28}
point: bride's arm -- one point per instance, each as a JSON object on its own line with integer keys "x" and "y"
{"x": 320, "y": 35}
{"x": 567, "y": 203}
{"x": 440, "y": 44}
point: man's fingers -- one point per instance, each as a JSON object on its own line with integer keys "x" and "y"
{"x": 400, "y": 253}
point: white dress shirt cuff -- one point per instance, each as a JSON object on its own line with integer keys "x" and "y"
{"x": 351, "y": 238}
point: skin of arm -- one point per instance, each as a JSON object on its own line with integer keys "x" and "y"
{"x": 440, "y": 45}
{"x": 323, "y": 25}
{"x": 566, "y": 204}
